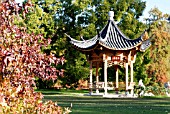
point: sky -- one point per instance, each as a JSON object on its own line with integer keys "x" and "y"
{"x": 162, "y": 5}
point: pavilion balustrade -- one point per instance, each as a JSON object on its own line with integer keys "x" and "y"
{"x": 101, "y": 85}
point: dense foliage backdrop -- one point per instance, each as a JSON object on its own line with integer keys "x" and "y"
{"x": 81, "y": 19}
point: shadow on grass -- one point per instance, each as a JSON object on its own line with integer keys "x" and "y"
{"x": 99, "y": 105}
{"x": 60, "y": 91}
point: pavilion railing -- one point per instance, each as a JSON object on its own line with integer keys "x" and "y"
{"x": 110, "y": 85}
{"x": 100, "y": 85}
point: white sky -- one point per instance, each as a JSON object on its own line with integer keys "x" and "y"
{"x": 19, "y": 1}
{"x": 162, "y": 5}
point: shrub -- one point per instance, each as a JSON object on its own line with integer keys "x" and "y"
{"x": 23, "y": 99}
{"x": 156, "y": 90}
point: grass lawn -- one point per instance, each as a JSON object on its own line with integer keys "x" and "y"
{"x": 97, "y": 105}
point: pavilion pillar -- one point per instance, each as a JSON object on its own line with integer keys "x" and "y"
{"x": 117, "y": 79}
{"x": 91, "y": 79}
{"x": 126, "y": 67}
{"x": 105, "y": 74}
{"x": 131, "y": 76}
{"x": 97, "y": 78}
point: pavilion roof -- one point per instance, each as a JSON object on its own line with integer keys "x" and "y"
{"x": 110, "y": 37}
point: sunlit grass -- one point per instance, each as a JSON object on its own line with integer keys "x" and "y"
{"x": 98, "y": 105}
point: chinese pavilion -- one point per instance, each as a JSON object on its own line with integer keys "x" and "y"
{"x": 111, "y": 47}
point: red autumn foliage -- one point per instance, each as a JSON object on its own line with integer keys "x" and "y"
{"x": 21, "y": 60}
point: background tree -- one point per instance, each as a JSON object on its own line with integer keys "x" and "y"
{"x": 80, "y": 19}
{"x": 52, "y": 19}
{"x": 158, "y": 69}
{"x": 41, "y": 20}
{"x": 127, "y": 15}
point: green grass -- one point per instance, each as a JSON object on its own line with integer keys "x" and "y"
{"x": 98, "y": 105}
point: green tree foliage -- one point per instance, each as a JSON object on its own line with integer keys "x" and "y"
{"x": 158, "y": 69}
{"x": 41, "y": 18}
{"x": 94, "y": 15}
{"x": 55, "y": 22}
{"x": 128, "y": 16}
{"x": 141, "y": 67}
{"x": 81, "y": 19}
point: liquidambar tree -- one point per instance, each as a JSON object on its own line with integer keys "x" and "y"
{"x": 22, "y": 60}
{"x": 158, "y": 69}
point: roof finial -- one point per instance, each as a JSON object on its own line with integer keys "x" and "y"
{"x": 111, "y": 15}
